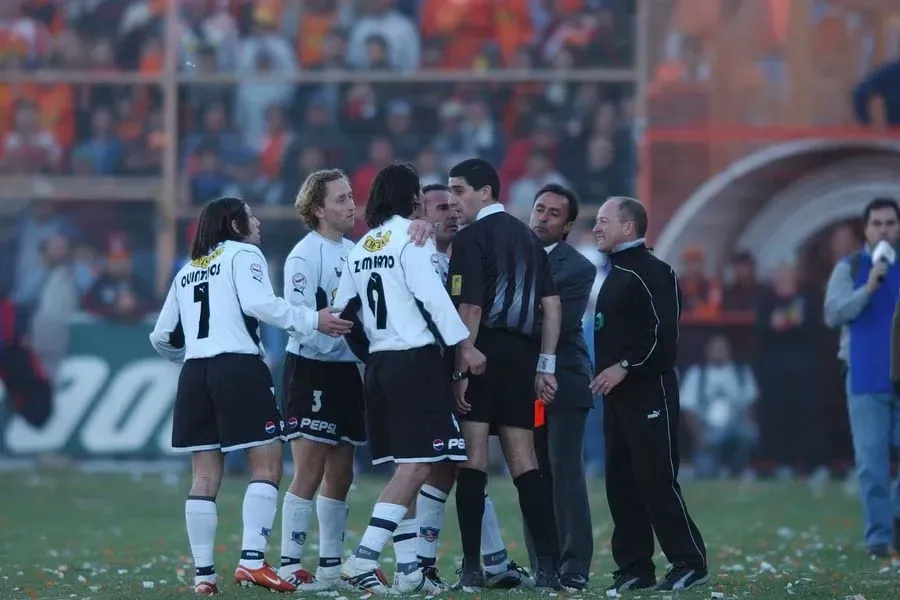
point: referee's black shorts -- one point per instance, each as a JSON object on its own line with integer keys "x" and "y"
{"x": 504, "y": 394}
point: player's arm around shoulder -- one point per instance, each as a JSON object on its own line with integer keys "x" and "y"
{"x": 257, "y": 298}
{"x": 167, "y": 337}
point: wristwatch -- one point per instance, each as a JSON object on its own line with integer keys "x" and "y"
{"x": 624, "y": 364}
{"x": 458, "y": 376}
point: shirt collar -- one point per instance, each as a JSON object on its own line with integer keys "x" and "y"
{"x": 489, "y": 210}
{"x": 549, "y": 249}
{"x": 627, "y": 245}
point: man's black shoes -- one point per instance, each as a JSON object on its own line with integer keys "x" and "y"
{"x": 573, "y": 582}
{"x": 683, "y": 577}
{"x": 624, "y": 582}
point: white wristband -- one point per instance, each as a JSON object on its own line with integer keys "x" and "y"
{"x": 547, "y": 364}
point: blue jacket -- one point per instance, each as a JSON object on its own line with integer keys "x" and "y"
{"x": 870, "y": 332}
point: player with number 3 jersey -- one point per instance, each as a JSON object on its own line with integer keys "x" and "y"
{"x": 225, "y": 398}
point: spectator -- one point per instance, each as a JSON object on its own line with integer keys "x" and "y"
{"x": 482, "y": 136}
{"x": 56, "y": 304}
{"x": 860, "y": 299}
{"x": 254, "y": 99}
{"x": 29, "y": 148}
{"x": 250, "y": 184}
{"x": 718, "y": 397}
{"x": 539, "y": 171}
{"x": 118, "y": 293}
{"x": 102, "y": 149}
{"x": 702, "y": 295}
{"x": 209, "y": 178}
{"x": 743, "y": 291}
{"x": 378, "y": 17}
{"x": 787, "y": 324}
{"x": 885, "y": 84}
{"x": 407, "y": 142}
{"x": 205, "y": 24}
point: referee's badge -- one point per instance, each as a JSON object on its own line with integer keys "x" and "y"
{"x": 456, "y": 285}
{"x": 599, "y": 321}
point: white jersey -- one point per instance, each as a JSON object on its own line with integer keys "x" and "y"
{"x": 404, "y": 302}
{"x": 216, "y": 302}
{"x": 443, "y": 266}
{"x": 311, "y": 274}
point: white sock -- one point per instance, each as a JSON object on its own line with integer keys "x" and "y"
{"x": 202, "y": 519}
{"x": 405, "y": 543}
{"x": 385, "y": 518}
{"x": 260, "y": 504}
{"x": 493, "y": 550}
{"x": 430, "y": 506}
{"x": 295, "y": 514}
{"x": 332, "y": 516}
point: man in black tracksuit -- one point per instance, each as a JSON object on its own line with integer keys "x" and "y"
{"x": 635, "y": 345}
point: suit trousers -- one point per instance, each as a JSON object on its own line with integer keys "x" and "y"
{"x": 559, "y": 447}
{"x": 641, "y": 431}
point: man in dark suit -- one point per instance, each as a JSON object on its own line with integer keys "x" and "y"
{"x": 559, "y": 442}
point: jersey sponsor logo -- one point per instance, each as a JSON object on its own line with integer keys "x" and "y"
{"x": 456, "y": 285}
{"x": 270, "y": 428}
{"x": 318, "y": 425}
{"x": 456, "y": 444}
{"x": 256, "y": 272}
{"x": 299, "y": 282}
{"x": 438, "y": 445}
{"x": 376, "y": 242}
{"x": 379, "y": 261}
{"x": 292, "y": 422}
{"x": 204, "y": 261}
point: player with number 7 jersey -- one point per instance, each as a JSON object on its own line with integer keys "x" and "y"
{"x": 225, "y": 398}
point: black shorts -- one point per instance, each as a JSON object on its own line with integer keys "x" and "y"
{"x": 504, "y": 394}
{"x": 409, "y": 408}
{"x": 323, "y": 401}
{"x": 225, "y": 402}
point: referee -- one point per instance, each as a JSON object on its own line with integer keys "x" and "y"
{"x": 501, "y": 282}
{"x": 635, "y": 345}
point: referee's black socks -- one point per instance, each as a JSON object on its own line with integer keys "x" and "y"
{"x": 470, "y": 486}
{"x": 536, "y": 502}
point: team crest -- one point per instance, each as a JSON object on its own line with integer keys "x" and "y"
{"x": 256, "y": 272}
{"x": 299, "y": 282}
{"x": 599, "y": 321}
{"x": 374, "y": 243}
{"x": 338, "y": 271}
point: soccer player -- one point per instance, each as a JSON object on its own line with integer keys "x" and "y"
{"x": 407, "y": 314}
{"x": 322, "y": 387}
{"x": 225, "y": 398}
{"x": 500, "y": 572}
{"x": 501, "y": 281}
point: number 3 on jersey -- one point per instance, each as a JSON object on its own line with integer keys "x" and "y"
{"x": 375, "y": 296}
{"x": 201, "y": 295}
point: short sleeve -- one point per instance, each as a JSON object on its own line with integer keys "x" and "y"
{"x": 465, "y": 278}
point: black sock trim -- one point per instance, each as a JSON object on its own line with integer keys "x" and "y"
{"x": 330, "y": 562}
{"x": 383, "y": 523}
{"x": 272, "y": 483}
{"x": 205, "y": 571}
{"x": 430, "y": 497}
{"x": 203, "y": 498}
{"x": 287, "y": 561}
{"x": 404, "y": 536}
{"x": 252, "y": 555}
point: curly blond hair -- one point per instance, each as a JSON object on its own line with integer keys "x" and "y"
{"x": 312, "y": 194}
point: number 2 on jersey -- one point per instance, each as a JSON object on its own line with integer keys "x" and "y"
{"x": 375, "y": 296}
{"x": 201, "y": 295}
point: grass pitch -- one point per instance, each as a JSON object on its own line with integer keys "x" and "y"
{"x": 68, "y": 534}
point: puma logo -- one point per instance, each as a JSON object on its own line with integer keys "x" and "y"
{"x": 653, "y": 415}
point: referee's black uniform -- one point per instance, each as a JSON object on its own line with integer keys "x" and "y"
{"x": 499, "y": 264}
{"x": 636, "y": 326}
